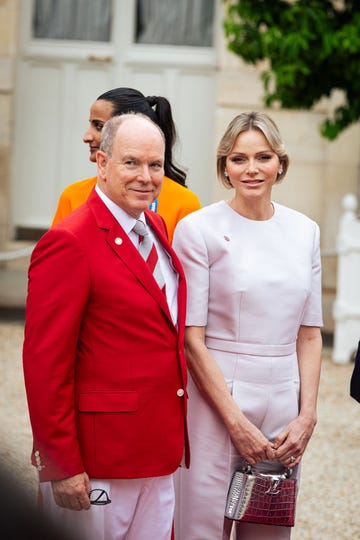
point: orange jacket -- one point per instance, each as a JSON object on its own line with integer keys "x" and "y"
{"x": 175, "y": 201}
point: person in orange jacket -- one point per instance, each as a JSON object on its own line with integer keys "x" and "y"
{"x": 175, "y": 200}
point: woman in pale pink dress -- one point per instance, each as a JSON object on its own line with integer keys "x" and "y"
{"x": 253, "y": 336}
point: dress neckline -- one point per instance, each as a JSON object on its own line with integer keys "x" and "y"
{"x": 241, "y": 216}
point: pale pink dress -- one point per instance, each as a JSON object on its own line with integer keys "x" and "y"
{"x": 251, "y": 284}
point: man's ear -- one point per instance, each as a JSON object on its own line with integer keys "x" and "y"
{"x": 102, "y": 160}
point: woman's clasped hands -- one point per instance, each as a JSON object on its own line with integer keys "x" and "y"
{"x": 287, "y": 448}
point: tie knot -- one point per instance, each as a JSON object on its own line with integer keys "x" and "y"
{"x": 140, "y": 228}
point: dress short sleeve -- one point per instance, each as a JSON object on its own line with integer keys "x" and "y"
{"x": 190, "y": 246}
{"x": 312, "y": 315}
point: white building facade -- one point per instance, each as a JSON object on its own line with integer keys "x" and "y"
{"x": 52, "y": 68}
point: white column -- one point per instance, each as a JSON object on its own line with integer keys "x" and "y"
{"x": 346, "y": 310}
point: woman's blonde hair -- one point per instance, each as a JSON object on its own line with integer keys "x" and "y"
{"x": 244, "y": 122}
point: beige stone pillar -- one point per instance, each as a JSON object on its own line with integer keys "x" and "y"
{"x": 9, "y": 10}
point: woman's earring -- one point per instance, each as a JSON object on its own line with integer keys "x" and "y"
{"x": 226, "y": 174}
{"x": 280, "y": 171}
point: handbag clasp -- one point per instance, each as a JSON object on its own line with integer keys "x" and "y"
{"x": 273, "y": 489}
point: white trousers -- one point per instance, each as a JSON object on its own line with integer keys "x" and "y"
{"x": 141, "y": 509}
{"x": 266, "y": 390}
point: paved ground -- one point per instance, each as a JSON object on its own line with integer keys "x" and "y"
{"x": 328, "y": 504}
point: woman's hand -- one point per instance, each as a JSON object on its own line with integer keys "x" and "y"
{"x": 291, "y": 443}
{"x": 250, "y": 442}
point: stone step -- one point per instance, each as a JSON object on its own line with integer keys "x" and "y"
{"x": 13, "y": 287}
{"x": 14, "y": 263}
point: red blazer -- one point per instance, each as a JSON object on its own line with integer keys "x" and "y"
{"x": 104, "y": 364}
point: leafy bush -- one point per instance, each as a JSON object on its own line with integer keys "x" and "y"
{"x": 312, "y": 48}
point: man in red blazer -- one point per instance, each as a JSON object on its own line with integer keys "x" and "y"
{"x": 103, "y": 354}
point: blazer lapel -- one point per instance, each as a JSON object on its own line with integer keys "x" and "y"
{"x": 119, "y": 241}
{"x": 123, "y": 247}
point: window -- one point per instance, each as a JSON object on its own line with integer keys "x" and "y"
{"x": 175, "y": 22}
{"x": 82, "y": 20}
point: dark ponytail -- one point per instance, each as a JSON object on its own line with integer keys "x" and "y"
{"x": 157, "y": 108}
{"x": 164, "y": 119}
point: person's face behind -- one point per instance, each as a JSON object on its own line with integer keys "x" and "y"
{"x": 132, "y": 177}
{"x": 252, "y": 165}
{"x": 100, "y": 112}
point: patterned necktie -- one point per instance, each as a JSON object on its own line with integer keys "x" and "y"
{"x": 149, "y": 253}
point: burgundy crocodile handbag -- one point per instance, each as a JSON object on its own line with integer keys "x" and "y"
{"x": 262, "y": 498}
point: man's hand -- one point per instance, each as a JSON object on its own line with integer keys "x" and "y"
{"x": 72, "y": 492}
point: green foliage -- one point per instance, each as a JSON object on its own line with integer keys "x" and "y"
{"x": 312, "y": 48}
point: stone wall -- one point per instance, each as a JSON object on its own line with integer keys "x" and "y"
{"x": 8, "y": 46}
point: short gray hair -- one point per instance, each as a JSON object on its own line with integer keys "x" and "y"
{"x": 111, "y": 127}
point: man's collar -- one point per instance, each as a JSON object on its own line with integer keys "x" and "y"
{"x": 126, "y": 221}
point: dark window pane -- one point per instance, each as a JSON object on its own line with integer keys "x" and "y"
{"x": 175, "y": 22}
{"x": 81, "y": 20}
